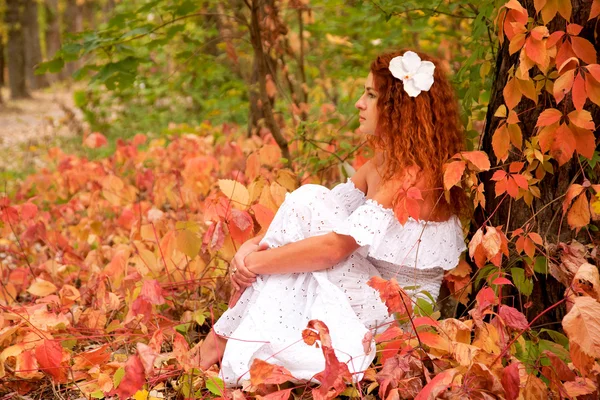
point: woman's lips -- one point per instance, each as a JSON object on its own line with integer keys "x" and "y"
{"x": 361, "y": 118}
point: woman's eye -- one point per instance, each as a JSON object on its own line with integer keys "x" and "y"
{"x": 371, "y": 95}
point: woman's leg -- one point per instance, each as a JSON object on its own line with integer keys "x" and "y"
{"x": 211, "y": 350}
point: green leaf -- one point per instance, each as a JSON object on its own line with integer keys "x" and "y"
{"x": 80, "y": 98}
{"x": 118, "y": 377}
{"x": 523, "y": 285}
{"x": 557, "y": 337}
{"x": 215, "y": 386}
{"x": 98, "y": 394}
{"x": 52, "y": 66}
{"x": 541, "y": 265}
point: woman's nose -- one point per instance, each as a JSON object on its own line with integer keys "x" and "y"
{"x": 359, "y": 104}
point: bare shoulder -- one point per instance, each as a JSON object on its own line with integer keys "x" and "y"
{"x": 360, "y": 177}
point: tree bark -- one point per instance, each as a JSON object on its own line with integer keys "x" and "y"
{"x": 33, "y": 50}
{"x": 16, "y": 50}
{"x": 73, "y": 24}
{"x": 548, "y": 221}
{"x": 2, "y": 63}
{"x": 53, "y": 41}
{"x": 262, "y": 66}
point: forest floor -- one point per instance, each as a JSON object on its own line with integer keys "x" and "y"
{"x": 28, "y": 127}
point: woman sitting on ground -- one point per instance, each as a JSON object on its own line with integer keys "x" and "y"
{"x": 324, "y": 245}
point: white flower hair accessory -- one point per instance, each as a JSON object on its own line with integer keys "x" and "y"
{"x": 416, "y": 75}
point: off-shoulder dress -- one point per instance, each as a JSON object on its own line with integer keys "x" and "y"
{"x": 268, "y": 319}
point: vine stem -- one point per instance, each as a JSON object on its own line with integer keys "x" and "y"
{"x": 528, "y": 327}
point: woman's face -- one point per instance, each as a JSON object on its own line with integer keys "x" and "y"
{"x": 367, "y": 107}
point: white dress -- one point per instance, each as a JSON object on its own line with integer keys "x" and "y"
{"x": 269, "y": 317}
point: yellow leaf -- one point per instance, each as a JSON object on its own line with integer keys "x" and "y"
{"x": 270, "y": 155}
{"x": 278, "y": 193}
{"x": 287, "y": 179}
{"x": 112, "y": 189}
{"x": 582, "y": 325}
{"x": 141, "y": 395}
{"x": 188, "y": 242}
{"x": 41, "y": 288}
{"x": 236, "y": 192}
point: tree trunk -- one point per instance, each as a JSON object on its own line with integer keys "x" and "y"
{"x": 53, "y": 41}
{"x": 88, "y": 13}
{"x": 107, "y": 9}
{"x": 513, "y": 214}
{"x": 16, "y": 50}
{"x": 73, "y": 24}
{"x": 33, "y": 50}
{"x": 2, "y": 63}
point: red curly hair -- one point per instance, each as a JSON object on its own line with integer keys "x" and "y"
{"x": 423, "y": 131}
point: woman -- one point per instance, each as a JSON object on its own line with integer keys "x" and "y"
{"x": 324, "y": 245}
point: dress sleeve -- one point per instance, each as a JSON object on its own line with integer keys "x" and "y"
{"x": 368, "y": 225}
{"x": 348, "y": 195}
{"x": 416, "y": 244}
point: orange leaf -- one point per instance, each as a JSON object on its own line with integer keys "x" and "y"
{"x": 263, "y": 215}
{"x": 563, "y": 85}
{"x": 585, "y": 141}
{"x": 501, "y": 142}
{"x": 261, "y": 372}
{"x": 573, "y": 191}
{"x": 152, "y": 292}
{"x": 582, "y": 325}
{"x": 592, "y": 88}
{"x": 564, "y": 8}
{"x": 548, "y": 117}
{"x": 452, "y": 173}
{"x": 512, "y": 94}
{"x": 595, "y": 11}
{"x": 574, "y": 29}
{"x": 579, "y": 214}
{"x": 584, "y": 49}
{"x": 516, "y": 136}
{"x": 582, "y": 119}
{"x": 437, "y": 385}
{"x": 527, "y": 88}
{"x": 563, "y": 145}
{"x": 479, "y": 159}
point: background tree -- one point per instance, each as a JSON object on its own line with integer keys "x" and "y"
{"x": 16, "y": 49}
{"x": 33, "y": 50}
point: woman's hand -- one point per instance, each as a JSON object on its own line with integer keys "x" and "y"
{"x": 241, "y": 276}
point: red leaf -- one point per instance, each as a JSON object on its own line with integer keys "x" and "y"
{"x": 513, "y": 318}
{"x": 578, "y": 94}
{"x": 574, "y": 29}
{"x": 132, "y": 381}
{"x": 261, "y": 372}
{"x": 152, "y": 292}
{"x": 279, "y": 395}
{"x": 394, "y": 297}
{"x": 486, "y": 298}
{"x": 240, "y": 225}
{"x": 49, "y": 357}
{"x": 510, "y": 381}
{"x": 560, "y": 368}
{"x": 333, "y": 379}
{"x": 95, "y": 140}
{"x": 28, "y": 211}
{"x": 437, "y": 385}
{"x": 390, "y": 333}
{"x": 502, "y": 281}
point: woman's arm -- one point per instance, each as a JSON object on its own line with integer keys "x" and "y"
{"x": 310, "y": 254}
